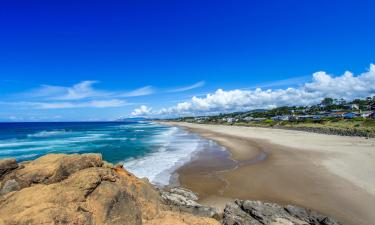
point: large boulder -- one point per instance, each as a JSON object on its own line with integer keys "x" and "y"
{"x": 259, "y": 213}
{"x": 7, "y": 165}
{"x": 185, "y": 201}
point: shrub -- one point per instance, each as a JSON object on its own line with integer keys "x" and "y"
{"x": 369, "y": 122}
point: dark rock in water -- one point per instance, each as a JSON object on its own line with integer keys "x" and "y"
{"x": 7, "y": 165}
{"x": 258, "y": 213}
{"x": 184, "y": 200}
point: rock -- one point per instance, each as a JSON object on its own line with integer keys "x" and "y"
{"x": 51, "y": 168}
{"x": 257, "y": 213}
{"x": 83, "y": 190}
{"x": 185, "y": 200}
{"x": 7, "y": 165}
{"x": 9, "y": 186}
{"x": 90, "y": 196}
{"x": 180, "y": 218}
{"x": 184, "y": 192}
{"x": 234, "y": 215}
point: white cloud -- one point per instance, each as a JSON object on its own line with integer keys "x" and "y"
{"x": 346, "y": 86}
{"x": 139, "y": 92}
{"x": 190, "y": 87}
{"x": 142, "y": 111}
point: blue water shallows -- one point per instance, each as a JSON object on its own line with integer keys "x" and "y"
{"x": 147, "y": 149}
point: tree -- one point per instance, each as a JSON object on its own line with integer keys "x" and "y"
{"x": 327, "y": 101}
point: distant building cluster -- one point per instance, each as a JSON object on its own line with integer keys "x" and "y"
{"x": 327, "y": 109}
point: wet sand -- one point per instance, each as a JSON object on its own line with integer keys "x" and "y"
{"x": 330, "y": 174}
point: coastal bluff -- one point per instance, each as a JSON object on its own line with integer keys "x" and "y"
{"x": 83, "y": 189}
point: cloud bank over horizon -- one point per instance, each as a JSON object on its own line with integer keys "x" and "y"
{"x": 347, "y": 86}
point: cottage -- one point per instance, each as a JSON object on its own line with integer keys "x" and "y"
{"x": 248, "y": 118}
{"x": 366, "y": 114}
{"x": 350, "y": 115}
{"x": 352, "y": 106}
{"x": 304, "y": 117}
{"x": 337, "y": 114}
{"x": 281, "y": 118}
{"x": 259, "y": 119}
{"x": 231, "y": 120}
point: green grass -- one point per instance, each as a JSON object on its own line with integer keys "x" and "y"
{"x": 359, "y": 124}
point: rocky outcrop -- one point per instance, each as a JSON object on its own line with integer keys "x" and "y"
{"x": 7, "y": 165}
{"x": 90, "y": 196}
{"x": 85, "y": 190}
{"x": 82, "y": 190}
{"x": 258, "y": 213}
{"x": 184, "y": 200}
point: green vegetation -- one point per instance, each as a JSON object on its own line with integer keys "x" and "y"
{"x": 330, "y": 116}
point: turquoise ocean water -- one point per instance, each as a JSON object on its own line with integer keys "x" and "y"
{"x": 145, "y": 148}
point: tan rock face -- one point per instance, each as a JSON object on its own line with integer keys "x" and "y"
{"x": 7, "y": 165}
{"x": 81, "y": 189}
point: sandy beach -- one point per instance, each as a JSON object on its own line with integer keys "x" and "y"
{"x": 330, "y": 174}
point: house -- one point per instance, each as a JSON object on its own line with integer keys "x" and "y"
{"x": 304, "y": 117}
{"x": 281, "y": 118}
{"x": 366, "y": 114}
{"x": 259, "y": 119}
{"x": 350, "y": 115}
{"x": 248, "y": 118}
{"x": 337, "y": 114}
{"x": 231, "y": 120}
{"x": 317, "y": 117}
{"x": 352, "y": 106}
{"x": 299, "y": 111}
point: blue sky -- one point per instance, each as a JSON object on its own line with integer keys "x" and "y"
{"x": 99, "y": 60}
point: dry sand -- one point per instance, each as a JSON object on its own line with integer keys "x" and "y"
{"x": 334, "y": 175}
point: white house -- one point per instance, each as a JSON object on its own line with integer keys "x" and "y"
{"x": 231, "y": 120}
{"x": 248, "y": 118}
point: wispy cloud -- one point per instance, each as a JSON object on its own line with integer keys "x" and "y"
{"x": 69, "y": 104}
{"x": 81, "y": 90}
{"x": 190, "y": 87}
{"x": 284, "y": 82}
{"x": 80, "y": 95}
{"x": 147, "y": 90}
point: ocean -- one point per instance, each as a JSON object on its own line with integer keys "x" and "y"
{"x": 146, "y": 149}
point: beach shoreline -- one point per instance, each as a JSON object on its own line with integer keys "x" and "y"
{"x": 330, "y": 174}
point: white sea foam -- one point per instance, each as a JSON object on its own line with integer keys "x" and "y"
{"x": 62, "y": 141}
{"x": 177, "y": 147}
{"x": 48, "y": 133}
{"x": 25, "y": 156}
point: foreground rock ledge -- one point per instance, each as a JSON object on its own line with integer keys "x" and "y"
{"x": 84, "y": 189}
